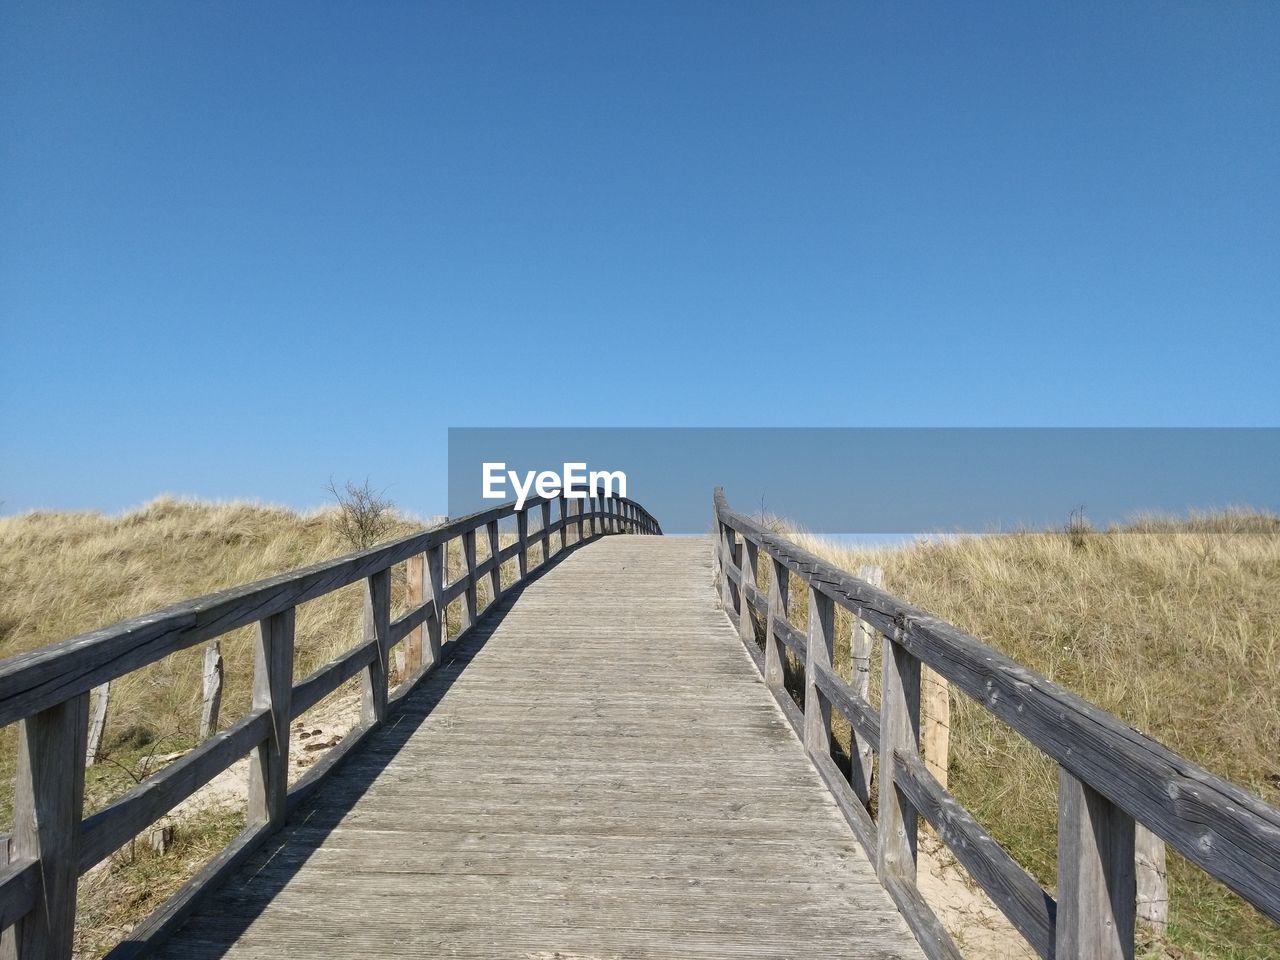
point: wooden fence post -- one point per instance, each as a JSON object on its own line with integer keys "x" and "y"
{"x": 746, "y": 622}
{"x": 47, "y": 806}
{"x": 97, "y": 723}
{"x": 897, "y": 822}
{"x": 861, "y": 638}
{"x": 818, "y": 652}
{"x": 1152, "y": 879}
{"x": 546, "y": 531}
{"x": 211, "y": 682}
{"x": 415, "y": 569}
{"x": 522, "y": 536}
{"x": 495, "y": 575}
{"x": 728, "y": 561}
{"x": 1096, "y": 877}
{"x": 435, "y": 593}
{"x": 272, "y": 689}
{"x": 377, "y": 628}
{"x": 470, "y": 601}
{"x": 779, "y": 591}
{"x": 564, "y": 521}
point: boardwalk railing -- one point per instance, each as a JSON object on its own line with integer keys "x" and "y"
{"x": 1110, "y": 776}
{"x": 46, "y": 691}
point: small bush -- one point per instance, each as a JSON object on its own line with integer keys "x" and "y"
{"x": 365, "y": 516}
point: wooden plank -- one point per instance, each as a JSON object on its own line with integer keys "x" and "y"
{"x": 495, "y": 563}
{"x": 272, "y": 690}
{"x": 329, "y": 677}
{"x": 47, "y": 806}
{"x": 861, "y": 639}
{"x": 1096, "y": 882}
{"x": 1152, "y": 880}
{"x": 377, "y": 630}
{"x": 817, "y": 711}
{"x": 1222, "y": 828}
{"x": 573, "y": 795}
{"x": 899, "y": 732}
{"x": 415, "y": 595}
{"x": 779, "y": 599}
{"x": 19, "y": 890}
{"x": 115, "y": 825}
{"x": 1029, "y": 908}
{"x": 863, "y": 717}
{"x": 470, "y": 605}
{"x": 97, "y": 723}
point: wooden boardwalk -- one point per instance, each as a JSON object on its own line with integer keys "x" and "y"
{"x": 600, "y": 773}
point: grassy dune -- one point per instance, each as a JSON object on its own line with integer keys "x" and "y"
{"x": 1172, "y": 625}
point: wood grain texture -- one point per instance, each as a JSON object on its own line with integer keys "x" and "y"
{"x": 558, "y": 790}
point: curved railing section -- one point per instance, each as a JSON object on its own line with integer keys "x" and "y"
{"x": 1111, "y": 777}
{"x": 47, "y": 691}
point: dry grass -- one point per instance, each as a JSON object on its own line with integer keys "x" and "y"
{"x": 1172, "y": 625}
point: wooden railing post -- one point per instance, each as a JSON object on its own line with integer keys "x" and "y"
{"x": 861, "y": 638}
{"x": 522, "y": 536}
{"x": 818, "y": 652}
{"x": 416, "y": 590}
{"x": 211, "y": 689}
{"x": 272, "y": 688}
{"x": 746, "y": 624}
{"x": 435, "y": 593}
{"x": 728, "y": 561}
{"x": 779, "y": 593}
{"x": 98, "y": 721}
{"x": 546, "y": 531}
{"x": 495, "y": 575}
{"x": 564, "y": 521}
{"x": 47, "y": 806}
{"x": 470, "y": 602}
{"x": 580, "y": 510}
{"x": 1096, "y": 885}
{"x": 897, "y": 821}
{"x": 377, "y": 628}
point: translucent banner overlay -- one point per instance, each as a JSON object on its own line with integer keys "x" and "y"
{"x": 891, "y": 480}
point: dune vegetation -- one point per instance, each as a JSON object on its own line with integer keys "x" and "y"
{"x": 1171, "y": 624}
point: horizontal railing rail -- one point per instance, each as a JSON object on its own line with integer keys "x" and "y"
{"x": 1111, "y": 777}
{"x": 47, "y": 691}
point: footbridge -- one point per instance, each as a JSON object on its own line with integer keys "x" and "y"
{"x": 627, "y": 751}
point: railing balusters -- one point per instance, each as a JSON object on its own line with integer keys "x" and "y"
{"x": 564, "y": 521}
{"x": 779, "y": 591}
{"x": 746, "y": 625}
{"x": 434, "y": 587}
{"x": 899, "y": 730}
{"x": 495, "y": 575}
{"x": 377, "y": 628}
{"x": 47, "y": 807}
{"x": 522, "y": 536}
{"x": 416, "y": 593}
{"x": 546, "y": 531}
{"x": 1097, "y": 887}
{"x": 820, "y": 648}
{"x": 272, "y": 691}
{"x": 470, "y": 602}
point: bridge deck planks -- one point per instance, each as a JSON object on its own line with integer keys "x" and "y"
{"x": 600, "y": 774}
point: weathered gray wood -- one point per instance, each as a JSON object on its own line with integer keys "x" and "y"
{"x": 1217, "y": 825}
{"x": 470, "y": 603}
{"x": 1152, "y": 880}
{"x": 546, "y": 531}
{"x": 377, "y": 629}
{"x": 272, "y": 690}
{"x": 746, "y": 622}
{"x": 566, "y": 791}
{"x": 861, "y": 639}
{"x": 522, "y": 543}
{"x": 495, "y": 564}
{"x": 899, "y": 732}
{"x": 415, "y": 595}
{"x": 47, "y": 806}
{"x": 211, "y": 681}
{"x": 817, "y": 711}
{"x": 1096, "y": 881}
{"x": 101, "y": 697}
{"x": 435, "y": 594}
{"x": 115, "y": 825}
{"x": 1029, "y": 908}
{"x": 863, "y": 717}
{"x": 19, "y": 890}
{"x": 779, "y": 594}
{"x": 728, "y": 566}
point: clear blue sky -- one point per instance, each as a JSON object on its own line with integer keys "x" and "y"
{"x": 244, "y": 247}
